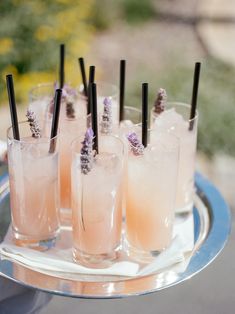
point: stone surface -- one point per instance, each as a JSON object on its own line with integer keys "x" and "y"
{"x": 219, "y": 37}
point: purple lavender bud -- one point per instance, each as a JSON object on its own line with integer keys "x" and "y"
{"x": 69, "y": 91}
{"x": 64, "y": 91}
{"x": 107, "y": 102}
{"x": 70, "y": 112}
{"x": 69, "y": 95}
{"x": 136, "y": 146}
{"x": 34, "y": 127}
{"x": 86, "y": 157}
{"x": 51, "y": 106}
{"x": 160, "y": 102}
{"x": 106, "y": 119}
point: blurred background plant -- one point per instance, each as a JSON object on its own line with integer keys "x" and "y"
{"x": 30, "y": 34}
{"x": 159, "y": 39}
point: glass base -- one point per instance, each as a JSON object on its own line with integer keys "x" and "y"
{"x": 140, "y": 255}
{"x": 34, "y": 243}
{"x": 66, "y": 218}
{"x": 95, "y": 260}
{"x": 184, "y": 210}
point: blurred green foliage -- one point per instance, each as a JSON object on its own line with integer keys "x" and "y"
{"x": 136, "y": 11}
{"x": 30, "y": 34}
{"x": 107, "y": 12}
{"x": 103, "y": 14}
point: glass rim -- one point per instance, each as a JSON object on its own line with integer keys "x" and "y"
{"x": 133, "y": 108}
{"x": 186, "y": 105}
{"x": 77, "y": 118}
{"x": 40, "y": 85}
{"x": 48, "y": 84}
{"x": 168, "y": 134}
{"x": 104, "y": 83}
{"x": 77, "y": 139}
{"x": 40, "y": 140}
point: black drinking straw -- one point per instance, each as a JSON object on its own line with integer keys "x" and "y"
{"x": 145, "y": 114}
{"x": 91, "y": 80}
{"x": 61, "y": 70}
{"x": 194, "y": 94}
{"x": 83, "y": 73}
{"x": 12, "y": 104}
{"x": 55, "y": 119}
{"x": 122, "y": 89}
{"x": 94, "y": 117}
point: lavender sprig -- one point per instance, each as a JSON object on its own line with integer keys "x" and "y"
{"x": 34, "y": 127}
{"x": 160, "y": 102}
{"x": 106, "y": 120}
{"x": 68, "y": 96}
{"x": 86, "y": 152}
{"x": 136, "y": 146}
{"x": 70, "y": 112}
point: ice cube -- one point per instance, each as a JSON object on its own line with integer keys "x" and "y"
{"x": 168, "y": 120}
{"x": 126, "y": 124}
{"x": 108, "y": 162}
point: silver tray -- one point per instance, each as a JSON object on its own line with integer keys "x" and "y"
{"x": 212, "y": 222}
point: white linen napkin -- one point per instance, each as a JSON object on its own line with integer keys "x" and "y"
{"x": 3, "y": 151}
{"x": 59, "y": 259}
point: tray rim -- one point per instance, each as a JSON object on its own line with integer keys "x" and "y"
{"x": 220, "y": 219}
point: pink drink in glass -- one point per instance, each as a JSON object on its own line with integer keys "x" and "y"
{"x": 97, "y": 203}
{"x": 34, "y": 189}
{"x": 150, "y": 200}
{"x": 175, "y": 119}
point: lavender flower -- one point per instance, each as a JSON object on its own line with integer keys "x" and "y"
{"x": 106, "y": 120}
{"x": 34, "y": 127}
{"x": 68, "y": 97}
{"x": 70, "y": 112}
{"x": 86, "y": 152}
{"x": 160, "y": 102}
{"x": 136, "y": 146}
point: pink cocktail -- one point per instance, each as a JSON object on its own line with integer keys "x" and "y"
{"x": 175, "y": 119}
{"x": 97, "y": 202}
{"x": 150, "y": 198}
{"x": 34, "y": 188}
{"x": 73, "y": 123}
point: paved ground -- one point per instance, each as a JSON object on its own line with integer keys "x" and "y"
{"x": 218, "y": 30}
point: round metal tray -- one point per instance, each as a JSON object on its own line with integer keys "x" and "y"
{"x": 211, "y": 229}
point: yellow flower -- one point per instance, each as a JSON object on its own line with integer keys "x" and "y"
{"x": 25, "y": 82}
{"x": 44, "y": 33}
{"x": 6, "y": 44}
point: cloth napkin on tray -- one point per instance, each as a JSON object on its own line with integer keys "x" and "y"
{"x": 59, "y": 259}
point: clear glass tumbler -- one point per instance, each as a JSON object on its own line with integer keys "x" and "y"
{"x": 69, "y": 130}
{"x": 34, "y": 188}
{"x": 97, "y": 203}
{"x": 73, "y": 123}
{"x": 176, "y": 120}
{"x": 40, "y": 97}
{"x": 150, "y": 198}
{"x": 106, "y": 90}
